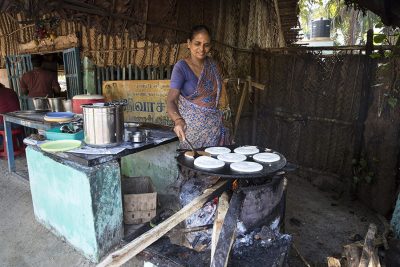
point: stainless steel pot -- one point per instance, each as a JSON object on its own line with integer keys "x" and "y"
{"x": 137, "y": 137}
{"x": 103, "y": 125}
{"x": 67, "y": 105}
{"x": 131, "y": 126}
{"x": 56, "y": 103}
{"x": 40, "y": 103}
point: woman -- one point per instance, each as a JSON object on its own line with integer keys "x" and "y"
{"x": 192, "y": 104}
{"x": 195, "y": 92}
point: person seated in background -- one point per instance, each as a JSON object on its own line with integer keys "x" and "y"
{"x": 39, "y": 82}
{"x": 9, "y": 102}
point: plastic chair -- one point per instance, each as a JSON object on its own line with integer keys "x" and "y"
{"x": 18, "y": 146}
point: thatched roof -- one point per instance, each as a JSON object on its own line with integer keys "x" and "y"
{"x": 149, "y": 32}
{"x": 388, "y": 10}
{"x": 153, "y": 20}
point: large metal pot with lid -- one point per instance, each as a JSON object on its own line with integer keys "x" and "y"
{"x": 103, "y": 125}
{"x": 79, "y": 100}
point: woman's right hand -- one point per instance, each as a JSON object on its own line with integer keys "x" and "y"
{"x": 180, "y": 128}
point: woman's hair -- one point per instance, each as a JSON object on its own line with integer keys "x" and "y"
{"x": 197, "y": 29}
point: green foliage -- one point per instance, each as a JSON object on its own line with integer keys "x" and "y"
{"x": 375, "y": 55}
{"x": 388, "y": 54}
{"x": 386, "y": 35}
{"x": 347, "y": 21}
{"x": 363, "y": 163}
{"x": 361, "y": 172}
{"x": 332, "y": 9}
{"x": 392, "y": 101}
{"x": 380, "y": 38}
{"x": 368, "y": 179}
{"x": 385, "y": 74}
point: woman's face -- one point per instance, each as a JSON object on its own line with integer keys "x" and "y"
{"x": 200, "y": 45}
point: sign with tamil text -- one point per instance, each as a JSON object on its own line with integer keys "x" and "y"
{"x": 147, "y": 99}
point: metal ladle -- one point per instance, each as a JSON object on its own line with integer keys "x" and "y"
{"x": 195, "y": 153}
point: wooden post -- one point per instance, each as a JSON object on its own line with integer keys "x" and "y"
{"x": 369, "y": 47}
{"x": 223, "y": 205}
{"x": 256, "y": 101}
{"x": 228, "y": 232}
{"x": 246, "y": 88}
{"x": 282, "y": 42}
{"x": 365, "y": 97}
{"x": 240, "y": 108}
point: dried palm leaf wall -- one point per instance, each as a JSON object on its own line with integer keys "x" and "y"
{"x": 151, "y": 32}
{"x": 310, "y": 108}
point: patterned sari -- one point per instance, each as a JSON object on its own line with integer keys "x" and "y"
{"x": 204, "y": 120}
{"x": 205, "y": 127}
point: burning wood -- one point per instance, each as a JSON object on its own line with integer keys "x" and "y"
{"x": 235, "y": 185}
{"x": 363, "y": 255}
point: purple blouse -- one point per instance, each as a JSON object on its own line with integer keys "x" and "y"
{"x": 183, "y": 78}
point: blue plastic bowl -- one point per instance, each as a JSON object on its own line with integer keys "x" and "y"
{"x": 60, "y": 114}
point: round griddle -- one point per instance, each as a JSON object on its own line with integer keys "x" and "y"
{"x": 269, "y": 169}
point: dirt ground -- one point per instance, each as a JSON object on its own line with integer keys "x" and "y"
{"x": 23, "y": 241}
{"x": 319, "y": 222}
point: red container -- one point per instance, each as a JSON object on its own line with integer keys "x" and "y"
{"x": 79, "y": 100}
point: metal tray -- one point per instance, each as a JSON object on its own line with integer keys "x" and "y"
{"x": 38, "y": 111}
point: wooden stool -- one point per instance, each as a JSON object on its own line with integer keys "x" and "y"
{"x": 17, "y": 145}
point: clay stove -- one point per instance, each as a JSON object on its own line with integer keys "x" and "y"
{"x": 259, "y": 239}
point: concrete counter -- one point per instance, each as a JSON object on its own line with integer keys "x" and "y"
{"x": 159, "y": 137}
{"x": 83, "y": 204}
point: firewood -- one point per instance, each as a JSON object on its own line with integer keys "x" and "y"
{"x": 301, "y": 256}
{"x": 377, "y": 243}
{"x": 223, "y": 206}
{"x": 333, "y": 262}
{"x": 137, "y": 245}
{"x": 228, "y": 232}
{"x": 369, "y": 256}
